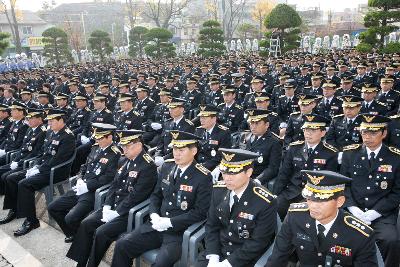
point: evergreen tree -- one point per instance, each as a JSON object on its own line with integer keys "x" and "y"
{"x": 211, "y": 39}
{"x": 4, "y": 43}
{"x": 159, "y": 45}
{"x": 137, "y": 41}
{"x": 100, "y": 42}
{"x": 56, "y": 46}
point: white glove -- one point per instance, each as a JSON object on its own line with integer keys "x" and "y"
{"x": 156, "y": 126}
{"x": 212, "y": 260}
{"x": 356, "y": 211}
{"x": 32, "y": 171}
{"x": 257, "y": 181}
{"x": 159, "y": 161}
{"x": 106, "y": 207}
{"x": 224, "y": 263}
{"x": 283, "y": 125}
{"x": 2, "y": 152}
{"x": 162, "y": 224}
{"x": 109, "y": 215}
{"x": 215, "y": 174}
{"x": 13, "y": 165}
{"x": 372, "y": 215}
{"x": 84, "y": 140}
{"x": 80, "y": 188}
{"x": 339, "y": 158}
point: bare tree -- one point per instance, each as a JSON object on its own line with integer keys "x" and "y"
{"x": 164, "y": 12}
{"x": 133, "y": 10}
{"x": 212, "y": 8}
{"x": 232, "y": 15}
{"x": 12, "y": 22}
{"x": 75, "y": 35}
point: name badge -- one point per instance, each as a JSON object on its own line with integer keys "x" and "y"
{"x": 341, "y": 250}
{"x": 133, "y": 174}
{"x": 385, "y": 168}
{"x": 104, "y": 160}
{"x": 246, "y": 216}
{"x": 186, "y": 188}
{"x": 320, "y": 161}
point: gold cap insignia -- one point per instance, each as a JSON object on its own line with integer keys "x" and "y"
{"x": 348, "y": 99}
{"x": 202, "y": 108}
{"x": 251, "y": 112}
{"x": 310, "y": 118}
{"x": 368, "y": 118}
{"x": 174, "y": 135}
{"x": 228, "y": 157}
{"x": 315, "y": 179}
{"x": 302, "y": 97}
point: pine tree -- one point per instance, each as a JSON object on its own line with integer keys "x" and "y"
{"x": 211, "y": 39}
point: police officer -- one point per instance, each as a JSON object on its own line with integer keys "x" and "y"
{"x": 104, "y": 89}
{"x": 100, "y": 167}
{"x": 31, "y": 146}
{"x": 241, "y": 221}
{"x": 44, "y": 100}
{"x": 374, "y": 192}
{"x": 344, "y": 128}
{"x": 127, "y": 117}
{"x": 132, "y": 184}
{"x": 264, "y": 142}
{"x": 329, "y": 105}
{"x": 393, "y": 135}
{"x": 262, "y": 101}
{"x": 17, "y": 131}
{"x": 177, "y": 122}
{"x": 59, "y": 146}
{"x": 26, "y": 98}
{"x": 192, "y": 97}
{"x": 5, "y": 122}
{"x": 213, "y": 136}
{"x": 287, "y": 103}
{"x": 80, "y": 117}
{"x": 388, "y": 95}
{"x": 320, "y": 232}
{"x": 293, "y": 131}
{"x": 311, "y": 154}
{"x": 370, "y": 104}
{"x": 181, "y": 198}
{"x": 214, "y": 95}
{"x": 231, "y": 113}
{"x": 257, "y": 85}
{"x": 144, "y": 104}
{"x": 347, "y": 87}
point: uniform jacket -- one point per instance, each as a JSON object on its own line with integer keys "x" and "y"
{"x": 341, "y": 133}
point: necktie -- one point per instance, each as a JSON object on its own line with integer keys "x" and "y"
{"x": 206, "y": 134}
{"x": 235, "y": 202}
{"x": 178, "y": 174}
{"x": 371, "y": 158}
{"x": 320, "y": 235}
{"x": 309, "y": 152}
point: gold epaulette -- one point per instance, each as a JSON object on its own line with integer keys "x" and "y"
{"x": 303, "y": 206}
{"x": 189, "y": 121}
{"x": 147, "y": 158}
{"x": 264, "y": 194}
{"x": 169, "y": 160}
{"x": 330, "y": 147}
{"x": 219, "y": 184}
{"x": 394, "y": 150}
{"x": 273, "y": 114}
{"x": 107, "y": 110}
{"x": 295, "y": 113}
{"x": 395, "y": 116}
{"x": 222, "y": 127}
{"x": 351, "y": 147}
{"x": 115, "y": 149}
{"x": 136, "y": 113}
{"x": 238, "y": 106}
{"x": 87, "y": 109}
{"x": 68, "y": 131}
{"x": 300, "y": 142}
{"x": 397, "y": 91}
{"x": 277, "y": 136}
{"x": 381, "y": 103}
{"x": 202, "y": 169}
{"x": 359, "y": 225}
{"x": 43, "y": 128}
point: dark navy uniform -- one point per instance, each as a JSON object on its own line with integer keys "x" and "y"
{"x": 208, "y": 154}
{"x": 391, "y": 99}
{"x": 269, "y": 147}
{"x": 184, "y": 199}
{"x": 70, "y": 209}
{"x": 375, "y": 107}
{"x": 128, "y": 120}
{"x": 231, "y": 117}
{"x": 286, "y": 106}
{"x": 376, "y": 186}
{"x": 329, "y": 109}
{"x": 289, "y": 182}
{"x": 145, "y": 107}
{"x": 353, "y": 91}
{"x": 349, "y": 242}
{"x": 214, "y": 98}
{"x": 103, "y": 116}
{"x": 193, "y": 100}
{"x": 393, "y": 137}
{"x": 5, "y": 125}
{"x": 341, "y": 133}
{"x": 293, "y": 130}
{"x": 79, "y": 120}
{"x": 243, "y": 234}
{"x": 132, "y": 184}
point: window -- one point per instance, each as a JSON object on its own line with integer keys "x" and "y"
{"x": 27, "y": 29}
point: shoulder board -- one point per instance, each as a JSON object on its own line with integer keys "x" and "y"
{"x": 296, "y": 143}
{"x": 238, "y": 106}
{"x": 295, "y": 113}
{"x": 395, "y": 116}
{"x": 220, "y": 105}
{"x": 222, "y": 127}
{"x": 277, "y": 136}
{"x": 147, "y": 158}
{"x": 249, "y": 93}
{"x": 189, "y": 121}
{"x": 199, "y": 127}
{"x": 394, "y": 150}
{"x": 273, "y": 114}
{"x": 357, "y": 224}
{"x": 136, "y": 113}
{"x": 150, "y": 99}
{"x": 87, "y": 109}
{"x": 282, "y": 96}
{"x": 107, "y": 110}
{"x": 43, "y": 128}
{"x": 115, "y": 149}
{"x": 68, "y": 131}
{"x": 338, "y": 116}
{"x": 330, "y": 147}
{"x": 357, "y": 89}
{"x": 219, "y": 184}
{"x": 264, "y": 194}
{"x": 120, "y": 111}
{"x": 202, "y": 169}
{"x": 397, "y": 91}
{"x": 169, "y": 160}
{"x": 351, "y": 147}
{"x": 298, "y": 207}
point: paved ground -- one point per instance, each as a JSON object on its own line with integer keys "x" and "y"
{"x": 46, "y": 243}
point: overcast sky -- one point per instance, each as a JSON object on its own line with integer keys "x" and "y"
{"x": 35, "y": 5}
